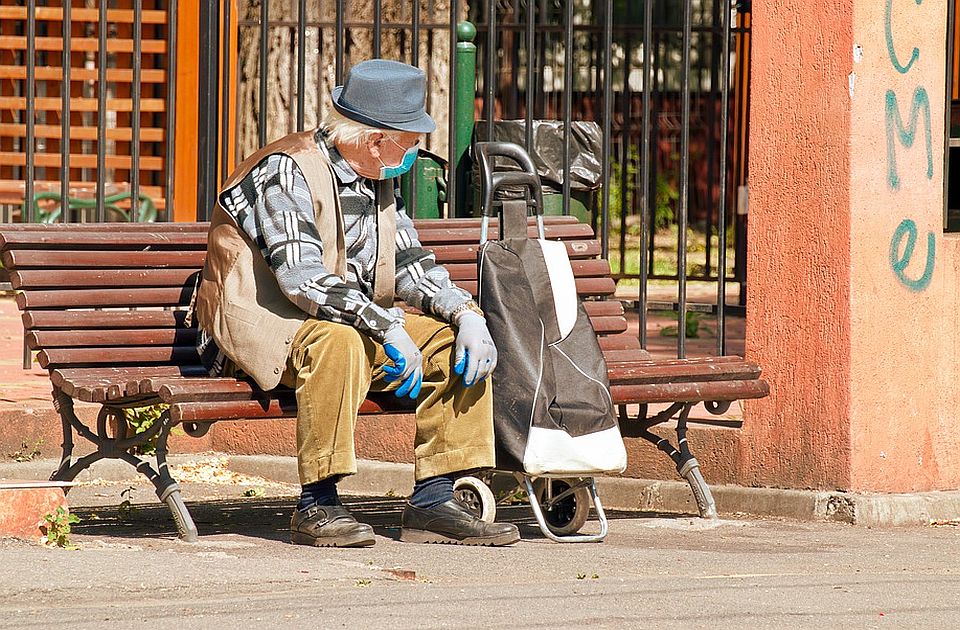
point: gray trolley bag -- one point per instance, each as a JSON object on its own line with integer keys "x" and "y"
{"x": 554, "y": 417}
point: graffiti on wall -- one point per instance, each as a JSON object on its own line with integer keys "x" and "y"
{"x": 904, "y": 240}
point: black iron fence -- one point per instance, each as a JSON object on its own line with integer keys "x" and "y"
{"x": 665, "y": 82}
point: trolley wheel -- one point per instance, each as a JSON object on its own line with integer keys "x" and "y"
{"x": 568, "y": 515}
{"x": 477, "y": 497}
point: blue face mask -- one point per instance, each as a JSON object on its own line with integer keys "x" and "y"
{"x": 409, "y": 157}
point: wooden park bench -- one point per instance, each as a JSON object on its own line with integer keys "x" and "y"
{"x": 104, "y": 305}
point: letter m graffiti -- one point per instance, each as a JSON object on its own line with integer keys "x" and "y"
{"x": 906, "y": 135}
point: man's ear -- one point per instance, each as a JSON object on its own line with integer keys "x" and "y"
{"x": 373, "y": 144}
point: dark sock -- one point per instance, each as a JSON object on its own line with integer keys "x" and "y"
{"x": 322, "y": 492}
{"x": 432, "y": 491}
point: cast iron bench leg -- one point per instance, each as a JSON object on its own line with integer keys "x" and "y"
{"x": 120, "y": 448}
{"x": 687, "y": 465}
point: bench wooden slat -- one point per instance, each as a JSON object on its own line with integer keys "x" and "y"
{"x": 603, "y": 308}
{"x": 55, "y": 228}
{"x": 625, "y": 356}
{"x": 591, "y": 268}
{"x": 426, "y": 224}
{"x": 101, "y": 278}
{"x": 83, "y": 357}
{"x": 67, "y": 378}
{"x": 585, "y": 286}
{"x": 690, "y": 392}
{"x": 252, "y": 410}
{"x": 623, "y": 341}
{"x": 608, "y": 325}
{"x": 106, "y": 338}
{"x": 103, "y": 240}
{"x": 682, "y": 372}
{"x": 79, "y": 259}
{"x": 436, "y": 234}
{"x": 90, "y": 298}
{"x": 468, "y": 253}
{"x": 40, "y": 320}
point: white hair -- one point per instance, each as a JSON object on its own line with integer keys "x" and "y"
{"x": 343, "y": 130}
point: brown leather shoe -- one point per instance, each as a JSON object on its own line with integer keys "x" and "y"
{"x": 329, "y": 526}
{"x": 453, "y": 524}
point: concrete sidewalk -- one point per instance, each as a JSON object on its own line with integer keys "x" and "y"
{"x": 653, "y": 571}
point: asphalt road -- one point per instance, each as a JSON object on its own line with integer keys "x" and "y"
{"x": 653, "y": 571}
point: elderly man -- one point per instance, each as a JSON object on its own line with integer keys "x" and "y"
{"x": 309, "y": 243}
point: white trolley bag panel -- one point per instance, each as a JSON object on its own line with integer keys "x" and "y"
{"x": 553, "y": 414}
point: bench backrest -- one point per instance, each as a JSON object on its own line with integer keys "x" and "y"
{"x": 116, "y": 294}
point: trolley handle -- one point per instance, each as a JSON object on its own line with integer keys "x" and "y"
{"x": 492, "y": 180}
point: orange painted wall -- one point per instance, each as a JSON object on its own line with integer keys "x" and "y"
{"x": 798, "y": 315}
{"x": 904, "y": 428}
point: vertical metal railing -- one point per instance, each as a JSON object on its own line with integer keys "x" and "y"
{"x": 654, "y": 76}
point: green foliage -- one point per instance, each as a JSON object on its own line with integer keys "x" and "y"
{"x": 256, "y": 491}
{"x": 666, "y": 196}
{"x": 692, "y": 327}
{"x": 140, "y": 419}
{"x": 56, "y": 528}
{"x": 26, "y": 453}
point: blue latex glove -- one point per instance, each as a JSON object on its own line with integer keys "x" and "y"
{"x": 407, "y": 362}
{"x": 476, "y": 355}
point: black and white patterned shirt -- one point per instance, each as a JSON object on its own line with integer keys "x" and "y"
{"x": 273, "y": 206}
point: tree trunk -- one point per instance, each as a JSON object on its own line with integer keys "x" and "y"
{"x": 281, "y": 111}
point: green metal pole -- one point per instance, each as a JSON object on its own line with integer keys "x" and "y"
{"x": 466, "y": 73}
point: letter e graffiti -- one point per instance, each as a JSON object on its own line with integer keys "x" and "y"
{"x": 899, "y": 261}
{"x": 906, "y": 135}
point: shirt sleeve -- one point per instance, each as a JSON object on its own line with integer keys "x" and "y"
{"x": 421, "y": 282}
{"x": 285, "y": 230}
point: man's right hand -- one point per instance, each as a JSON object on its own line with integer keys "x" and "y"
{"x": 407, "y": 362}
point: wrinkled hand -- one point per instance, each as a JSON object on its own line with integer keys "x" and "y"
{"x": 476, "y": 355}
{"x": 407, "y": 362}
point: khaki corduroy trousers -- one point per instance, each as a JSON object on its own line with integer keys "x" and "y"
{"x": 333, "y": 366}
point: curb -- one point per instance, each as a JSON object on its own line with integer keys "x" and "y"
{"x": 376, "y": 478}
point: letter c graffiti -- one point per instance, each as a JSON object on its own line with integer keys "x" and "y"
{"x": 908, "y": 230}
{"x": 893, "y": 53}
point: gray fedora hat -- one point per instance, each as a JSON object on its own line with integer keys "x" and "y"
{"x": 385, "y": 94}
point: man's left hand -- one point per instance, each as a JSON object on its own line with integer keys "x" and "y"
{"x": 476, "y": 355}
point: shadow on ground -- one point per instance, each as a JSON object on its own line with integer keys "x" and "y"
{"x": 269, "y": 518}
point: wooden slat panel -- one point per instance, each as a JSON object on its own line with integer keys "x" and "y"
{"x": 41, "y": 339}
{"x": 78, "y": 14}
{"x": 84, "y": 44}
{"x": 38, "y": 259}
{"x": 72, "y": 320}
{"x": 55, "y": 73}
{"x": 102, "y": 278}
{"x": 585, "y": 286}
{"x": 44, "y": 103}
{"x": 15, "y": 130}
{"x": 82, "y": 357}
{"x": 13, "y": 191}
{"x": 109, "y": 240}
{"x": 52, "y": 160}
{"x": 91, "y": 298}
{"x": 689, "y": 392}
{"x": 688, "y": 372}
